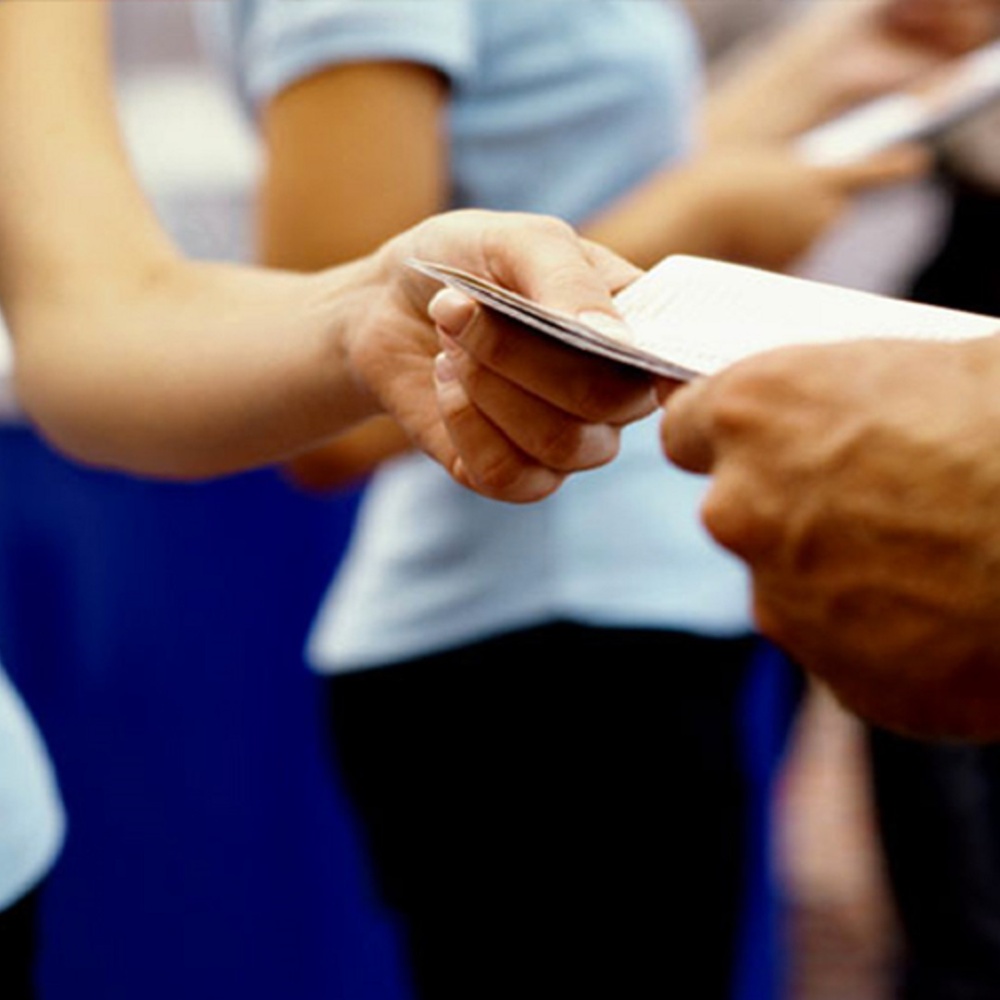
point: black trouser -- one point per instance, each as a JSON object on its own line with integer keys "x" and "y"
{"x": 556, "y": 811}
{"x": 18, "y": 933}
{"x": 939, "y": 816}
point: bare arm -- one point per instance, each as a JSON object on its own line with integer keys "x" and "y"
{"x": 746, "y": 196}
{"x": 759, "y": 204}
{"x": 129, "y": 356}
{"x": 108, "y": 320}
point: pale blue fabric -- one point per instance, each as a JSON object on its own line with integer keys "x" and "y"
{"x": 558, "y": 106}
{"x": 32, "y": 822}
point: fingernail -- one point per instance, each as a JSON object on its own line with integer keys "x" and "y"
{"x": 610, "y": 326}
{"x": 444, "y": 368}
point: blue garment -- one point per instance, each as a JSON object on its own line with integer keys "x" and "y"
{"x": 31, "y": 817}
{"x": 32, "y": 821}
{"x": 559, "y": 107}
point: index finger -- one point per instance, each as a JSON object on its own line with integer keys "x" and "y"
{"x": 586, "y": 386}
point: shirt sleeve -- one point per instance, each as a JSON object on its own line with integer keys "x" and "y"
{"x": 283, "y": 41}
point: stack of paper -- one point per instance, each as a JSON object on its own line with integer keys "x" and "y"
{"x": 691, "y": 316}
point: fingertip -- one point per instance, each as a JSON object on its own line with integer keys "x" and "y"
{"x": 679, "y": 396}
{"x": 665, "y": 389}
{"x": 444, "y": 369}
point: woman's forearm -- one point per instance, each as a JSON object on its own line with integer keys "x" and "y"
{"x": 199, "y": 370}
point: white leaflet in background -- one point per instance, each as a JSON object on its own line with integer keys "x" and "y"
{"x": 944, "y": 98}
{"x": 691, "y": 316}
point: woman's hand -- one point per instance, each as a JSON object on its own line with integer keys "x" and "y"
{"x": 510, "y": 413}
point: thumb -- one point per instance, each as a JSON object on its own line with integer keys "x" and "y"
{"x": 686, "y": 427}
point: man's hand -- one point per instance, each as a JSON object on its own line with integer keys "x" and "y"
{"x": 515, "y": 412}
{"x": 861, "y": 485}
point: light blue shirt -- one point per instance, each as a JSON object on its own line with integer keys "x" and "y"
{"x": 559, "y": 107}
{"x": 32, "y": 823}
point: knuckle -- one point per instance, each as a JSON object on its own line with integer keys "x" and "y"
{"x": 497, "y": 476}
{"x": 736, "y": 525}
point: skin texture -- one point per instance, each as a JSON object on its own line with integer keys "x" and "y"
{"x": 129, "y": 356}
{"x": 860, "y": 484}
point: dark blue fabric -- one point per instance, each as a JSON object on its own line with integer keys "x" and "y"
{"x": 773, "y": 696}
{"x": 156, "y": 632}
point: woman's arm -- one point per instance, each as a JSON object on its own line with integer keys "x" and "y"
{"x": 129, "y": 356}
{"x": 747, "y": 197}
{"x": 165, "y": 367}
{"x": 354, "y": 155}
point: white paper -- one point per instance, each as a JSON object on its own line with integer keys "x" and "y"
{"x": 704, "y": 314}
{"x": 921, "y": 111}
{"x": 691, "y": 316}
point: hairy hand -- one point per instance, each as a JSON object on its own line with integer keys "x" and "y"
{"x": 861, "y": 485}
